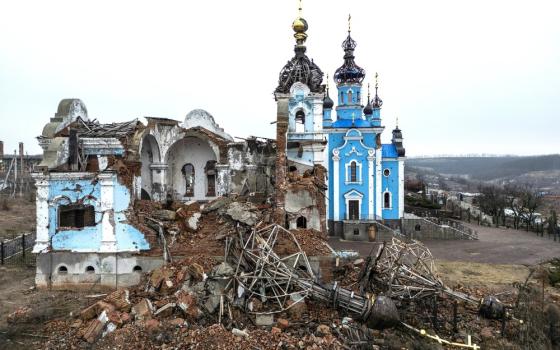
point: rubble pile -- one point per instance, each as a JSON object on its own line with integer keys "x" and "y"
{"x": 191, "y": 228}
{"x": 248, "y": 284}
{"x": 182, "y": 304}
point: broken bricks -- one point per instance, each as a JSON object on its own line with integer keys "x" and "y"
{"x": 143, "y": 310}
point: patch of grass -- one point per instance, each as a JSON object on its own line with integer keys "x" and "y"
{"x": 5, "y": 204}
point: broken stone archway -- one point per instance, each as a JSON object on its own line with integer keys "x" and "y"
{"x": 191, "y": 173}
{"x": 149, "y": 155}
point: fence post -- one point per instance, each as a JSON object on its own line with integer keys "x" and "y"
{"x": 23, "y": 246}
{"x": 2, "y": 252}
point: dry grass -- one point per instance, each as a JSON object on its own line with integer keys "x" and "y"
{"x": 470, "y": 273}
{"x": 19, "y": 218}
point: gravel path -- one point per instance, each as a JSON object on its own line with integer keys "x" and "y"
{"x": 495, "y": 246}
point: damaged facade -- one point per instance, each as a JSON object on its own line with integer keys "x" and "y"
{"x": 321, "y": 174}
{"x": 92, "y": 173}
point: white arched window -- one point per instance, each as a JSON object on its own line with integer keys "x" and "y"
{"x": 300, "y": 121}
{"x": 354, "y": 172}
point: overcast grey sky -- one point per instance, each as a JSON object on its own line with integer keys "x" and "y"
{"x": 478, "y": 76}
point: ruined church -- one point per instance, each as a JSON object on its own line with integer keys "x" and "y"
{"x": 325, "y": 171}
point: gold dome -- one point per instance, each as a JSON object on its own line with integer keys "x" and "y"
{"x": 299, "y": 25}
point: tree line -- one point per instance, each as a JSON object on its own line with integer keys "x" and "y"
{"x": 520, "y": 201}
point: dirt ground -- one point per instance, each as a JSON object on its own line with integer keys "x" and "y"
{"x": 18, "y": 218}
{"x": 494, "y": 246}
{"x": 17, "y": 290}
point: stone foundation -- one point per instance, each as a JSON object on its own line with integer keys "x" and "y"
{"x": 71, "y": 270}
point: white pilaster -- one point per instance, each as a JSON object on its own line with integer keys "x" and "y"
{"x": 108, "y": 238}
{"x": 370, "y": 158}
{"x": 378, "y": 189}
{"x": 336, "y": 184}
{"x": 401, "y": 188}
{"x": 42, "y": 214}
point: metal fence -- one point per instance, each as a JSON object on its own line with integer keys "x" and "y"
{"x": 17, "y": 251}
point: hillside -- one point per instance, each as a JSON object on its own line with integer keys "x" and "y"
{"x": 488, "y": 168}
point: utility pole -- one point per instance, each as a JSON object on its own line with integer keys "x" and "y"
{"x": 15, "y": 174}
{"x": 21, "y": 168}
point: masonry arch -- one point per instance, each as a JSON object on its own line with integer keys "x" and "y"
{"x": 188, "y": 160}
{"x": 149, "y": 154}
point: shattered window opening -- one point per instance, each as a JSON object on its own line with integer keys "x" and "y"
{"x": 76, "y": 216}
{"x": 301, "y": 222}
{"x": 188, "y": 174}
{"x": 211, "y": 178}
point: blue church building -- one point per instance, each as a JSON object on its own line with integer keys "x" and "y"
{"x": 365, "y": 177}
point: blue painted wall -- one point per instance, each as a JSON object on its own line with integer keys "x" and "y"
{"x": 88, "y": 239}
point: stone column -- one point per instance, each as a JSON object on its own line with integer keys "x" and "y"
{"x": 336, "y": 185}
{"x": 281, "y": 160}
{"x": 159, "y": 180}
{"x": 42, "y": 213}
{"x": 108, "y": 238}
{"x": 222, "y": 180}
{"x": 371, "y": 179}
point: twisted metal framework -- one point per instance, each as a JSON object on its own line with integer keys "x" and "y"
{"x": 405, "y": 271}
{"x": 260, "y": 272}
{"x": 300, "y": 69}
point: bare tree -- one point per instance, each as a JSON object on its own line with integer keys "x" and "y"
{"x": 513, "y": 194}
{"x": 531, "y": 200}
{"x": 552, "y": 223}
{"x": 492, "y": 201}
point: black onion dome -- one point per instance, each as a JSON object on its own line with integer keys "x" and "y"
{"x": 349, "y": 72}
{"x": 300, "y": 69}
{"x": 377, "y": 101}
{"x": 368, "y": 110}
{"x": 328, "y": 103}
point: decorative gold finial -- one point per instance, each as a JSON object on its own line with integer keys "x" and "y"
{"x": 300, "y": 26}
{"x": 376, "y": 80}
{"x": 397, "y": 122}
{"x": 368, "y": 95}
{"x": 327, "y": 83}
{"x": 349, "y": 23}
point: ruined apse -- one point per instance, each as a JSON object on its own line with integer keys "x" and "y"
{"x": 92, "y": 174}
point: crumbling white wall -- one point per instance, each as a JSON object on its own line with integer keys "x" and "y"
{"x": 301, "y": 203}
